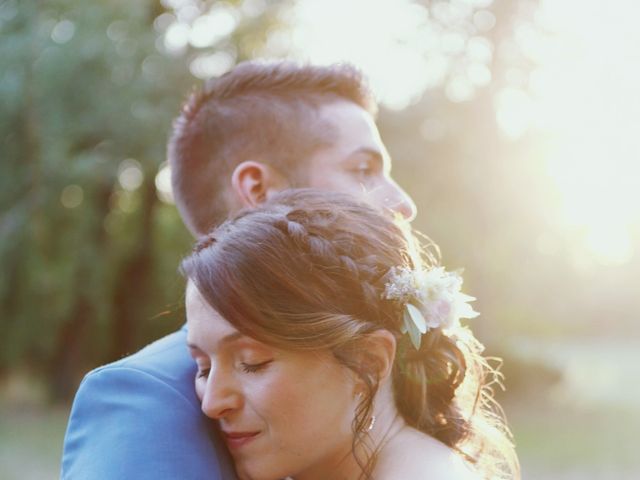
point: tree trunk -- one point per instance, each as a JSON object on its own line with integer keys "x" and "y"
{"x": 134, "y": 283}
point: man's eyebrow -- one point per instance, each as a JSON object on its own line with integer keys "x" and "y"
{"x": 372, "y": 152}
{"x": 379, "y": 157}
{"x": 232, "y": 337}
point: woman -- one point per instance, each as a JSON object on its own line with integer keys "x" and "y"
{"x": 328, "y": 347}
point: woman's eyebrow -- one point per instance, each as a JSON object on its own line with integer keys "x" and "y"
{"x": 232, "y": 337}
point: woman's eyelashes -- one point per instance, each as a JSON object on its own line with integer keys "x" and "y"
{"x": 255, "y": 367}
{"x": 246, "y": 367}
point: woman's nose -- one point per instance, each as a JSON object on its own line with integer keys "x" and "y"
{"x": 221, "y": 397}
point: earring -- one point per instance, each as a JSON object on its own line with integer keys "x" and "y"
{"x": 371, "y": 423}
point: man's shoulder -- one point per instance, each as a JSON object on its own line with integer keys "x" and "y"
{"x": 161, "y": 372}
{"x": 167, "y": 360}
{"x": 139, "y": 417}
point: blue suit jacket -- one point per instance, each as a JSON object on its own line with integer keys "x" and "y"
{"x": 139, "y": 418}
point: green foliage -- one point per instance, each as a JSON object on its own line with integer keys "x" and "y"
{"x": 89, "y": 267}
{"x": 89, "y": 258}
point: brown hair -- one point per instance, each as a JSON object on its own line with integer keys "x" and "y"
{"x": 258, "y": 111}
{"x": 307, "y": 270}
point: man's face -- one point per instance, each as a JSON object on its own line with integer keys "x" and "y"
{"x": 356, "y": 161}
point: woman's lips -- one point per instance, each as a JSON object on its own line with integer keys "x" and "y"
{"x": 239, "y": 439}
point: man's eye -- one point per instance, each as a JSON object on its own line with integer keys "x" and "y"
{"x": 254, "y": 367}
{"x": 365, "y": 170}
{"x": 203, "y": 373}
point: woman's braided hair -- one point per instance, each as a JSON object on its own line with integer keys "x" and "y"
{"x": 307, "y": 270}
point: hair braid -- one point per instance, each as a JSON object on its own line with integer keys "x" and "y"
{"x": 317, "y": 233}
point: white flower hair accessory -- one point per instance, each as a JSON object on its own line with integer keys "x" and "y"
{"x": 431, "y": 298}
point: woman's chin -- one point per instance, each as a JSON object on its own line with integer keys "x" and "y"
{"x": 254, "y": 471}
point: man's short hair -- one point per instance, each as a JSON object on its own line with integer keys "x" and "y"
{"x": 258, "y": 111}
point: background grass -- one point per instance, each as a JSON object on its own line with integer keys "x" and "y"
{"x": 31, "y": 441}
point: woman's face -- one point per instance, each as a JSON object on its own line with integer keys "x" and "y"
{"x": 281, "y": 413}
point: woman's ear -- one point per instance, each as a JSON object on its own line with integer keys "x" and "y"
{"x": 254, "y": 182}
{"x": 377, "y": 354}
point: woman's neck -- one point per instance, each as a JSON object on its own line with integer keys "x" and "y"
{"x": 386, "y": 423}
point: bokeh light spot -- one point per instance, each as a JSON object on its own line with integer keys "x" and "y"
{"x": 253, "y": 8}
{"x": 484, "y": 20}
{"x": 459, "y": 89}
{"x": 130, "y": 174}
{"x": 176, "y": 37}
{"x": 514, "y": 110}
{"x": 117, "y": 31}
{"x": 208, "y": 29}
{"x": 63, "y": 31}
{"x": 72, "y": 196}
{"x": 163, "y": 184}
{"x": 214, "y": 65}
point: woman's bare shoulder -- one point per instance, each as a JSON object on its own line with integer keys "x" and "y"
{"x": 418, "y": 456}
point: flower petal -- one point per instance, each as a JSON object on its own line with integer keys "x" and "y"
{"x": 414, "y": 333}
{"x": 417, "y": 317}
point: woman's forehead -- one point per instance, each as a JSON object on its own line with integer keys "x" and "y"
{"x": 203, "y": 322}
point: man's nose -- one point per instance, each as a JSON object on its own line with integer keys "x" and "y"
{"x": 400, "y": 202}
{"x": 221, "y": 397}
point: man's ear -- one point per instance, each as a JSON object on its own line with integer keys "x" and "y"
{"x": 254, "y": 182}
{"x": 377, "y": 352}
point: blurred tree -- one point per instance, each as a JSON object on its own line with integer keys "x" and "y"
{"x": 89, "y": 243}
{"x": 88, "y": 250}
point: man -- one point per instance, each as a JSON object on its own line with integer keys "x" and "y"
{"x": 254, "y": 131}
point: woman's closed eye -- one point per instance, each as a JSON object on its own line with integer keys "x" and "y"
{"x": 203, "y": 372}
{"x": 254, "y": 367}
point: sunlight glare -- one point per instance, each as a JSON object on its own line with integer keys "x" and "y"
{"x": 610, "y": 244}
{"x": 403, "y": 47}
{"x": 584, "y": 96}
